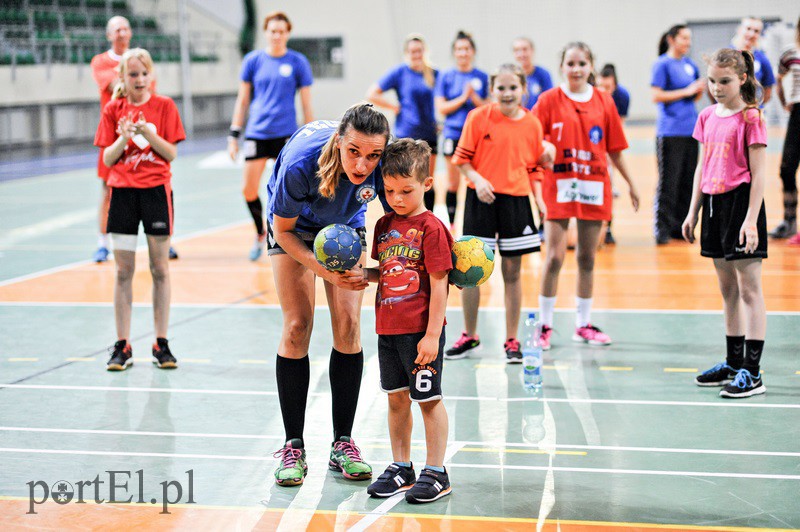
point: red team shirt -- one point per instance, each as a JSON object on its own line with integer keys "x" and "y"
{"x": 140, "y": 166}
{"x": 407, "y": 248}
{"x": 502, "y": 150}
{"x": 583, "y": 133}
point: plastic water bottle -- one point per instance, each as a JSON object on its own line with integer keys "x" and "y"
{"x": 531, "y": 354}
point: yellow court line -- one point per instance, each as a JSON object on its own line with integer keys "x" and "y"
{"x": 681, "y": 370}
{"x": 797, "y": 372}
{"x": 81, "y": 359}
{"x": 555, "y": 366}
{"x": 616, "y": 368}
{"x": 23, "y": 359}
{"x": 252, "y": 361}
{"x": 444, "y": 517}
{"x": 518, "y": 451}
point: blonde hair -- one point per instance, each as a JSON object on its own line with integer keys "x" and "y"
{"x": 742, "y": 63}
{"x": 134, "y": 53}
{"x": 362, "y": 117}
{"x": 427, "y": 69}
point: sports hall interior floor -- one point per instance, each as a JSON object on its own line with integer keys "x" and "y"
{"x": 619, "y": 438}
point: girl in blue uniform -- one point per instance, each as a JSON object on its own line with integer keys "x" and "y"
{"x": 458, "y": 91}
{"x": 675, "y": 85}
{"x": 269, "y": 80}
{"x": 326, "y": 173}
{"x": 413, "y": 81}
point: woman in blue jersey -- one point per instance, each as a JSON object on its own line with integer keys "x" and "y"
{"x": 539, "y": 79}
{"x": 413, "y": 81}
{"x": 747, "y": 37}
{"x": 675, "y": 85}
{"x": 269, "y": 80}
{"x": 458, "y": 91}
{"x": 326, "y": 173}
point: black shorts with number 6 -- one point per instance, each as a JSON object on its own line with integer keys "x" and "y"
{"x": 396, "y": 355}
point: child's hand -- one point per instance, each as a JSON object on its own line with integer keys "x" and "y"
{"x": 125, "y": 128}
{"x": 469, "y": 90}
{"x": 140, "y": 125}
{"x": 634, "y": 197}
{"x": 427, "y": 349}
{"x": 484, "y": 190}
{"x": 748, "y": 235}
{"x": 349, "y": 280}
{"x": 687, "y": 229}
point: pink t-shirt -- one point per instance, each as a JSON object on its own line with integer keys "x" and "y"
{"x": 725, "y": 142}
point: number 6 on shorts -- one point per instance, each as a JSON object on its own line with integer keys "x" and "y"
{"x": 423, "y": 383}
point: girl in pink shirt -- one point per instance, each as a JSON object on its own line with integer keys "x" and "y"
{"x": 729, "y": 184}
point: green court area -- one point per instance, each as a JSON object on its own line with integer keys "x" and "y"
{"x": 618, "y": 434}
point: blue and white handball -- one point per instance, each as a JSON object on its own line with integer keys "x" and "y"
{"x": 337, "y": 247}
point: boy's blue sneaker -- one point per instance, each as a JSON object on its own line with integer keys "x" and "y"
{"x": 743, "y": 385}
{"x": 392, "y": 481}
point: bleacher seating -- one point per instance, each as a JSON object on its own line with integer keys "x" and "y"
{"x": 73, "y": 31}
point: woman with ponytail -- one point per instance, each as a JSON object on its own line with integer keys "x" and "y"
{"x": 676, "y": 85}
{"x": 326, "y": 173}
{"x": 729, "y": 186}
{"x": 458, "y": 91}
{"x": 413, "y": 82}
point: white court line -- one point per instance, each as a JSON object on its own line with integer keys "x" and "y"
{"x": 504, "y": 467}
{"x": 719, "y": 404}
{"x": 256, "y": 306}
{"x": 143, "y": 247}
{"x": 460, "y": 443}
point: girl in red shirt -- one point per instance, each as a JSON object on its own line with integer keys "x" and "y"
{"x": 585, "y": 127}
{"x": 138, "y": 133}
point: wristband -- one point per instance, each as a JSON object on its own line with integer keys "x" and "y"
{"x": 234, "y": 132}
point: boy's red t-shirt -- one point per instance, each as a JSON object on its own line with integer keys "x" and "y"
{"x": 140, "y": 166}
{"x": 502, "y": 150}
{"x": 408, "y": 249}
{"x": 583, "y": 133}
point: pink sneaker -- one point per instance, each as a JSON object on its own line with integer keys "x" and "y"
{"x": 544, "y": 338}
{"x": 589, "y": 334}
{"x": 795, "y": 240}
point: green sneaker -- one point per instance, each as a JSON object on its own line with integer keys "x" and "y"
{"x": 293, "y": 467}
{"x": 346, "y": 457}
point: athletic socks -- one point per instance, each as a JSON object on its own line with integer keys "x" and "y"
{"x": 293, "y": 378}
{"x": 546, "y": 306}
{"x": 735, "y": 352}
{"x": 102, "y": 241}
{"x": 438, "y": 469}
{"x": 790, "y": 206}
{"x": 752, "y": 356}
{"x": 344, "y": 371}
{"x": 407, "y": 465}
{"x": 430, "y": 199}
{"x": 257, "y": 212}
{"x": 584, "y": 311}
{"x": 451, "y": 200}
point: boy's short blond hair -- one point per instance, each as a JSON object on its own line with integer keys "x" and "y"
{"x": 407, "y": 158}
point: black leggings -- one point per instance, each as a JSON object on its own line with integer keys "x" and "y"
{"x": 677, "y": 160}
{"x": 790, "y": 159}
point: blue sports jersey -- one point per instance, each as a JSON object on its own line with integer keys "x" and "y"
{"x": 675, "y": 119}
{"x": 275, "y": 81}
{"x": 416, "y": 118}
{"x": 450, "y": 85}
{"x": 293, "y": 185}
{"x": 622, "y": 99}
{"x": 538, "y": 82}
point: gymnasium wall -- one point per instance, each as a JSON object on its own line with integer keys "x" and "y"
{"x": 624, "y": 32}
